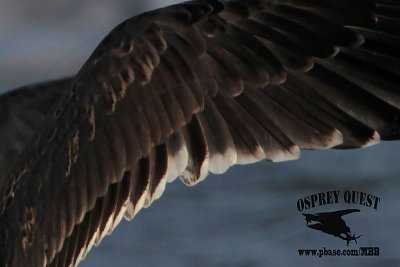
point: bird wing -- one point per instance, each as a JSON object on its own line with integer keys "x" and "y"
{"x": 336, "y": 213}
{"x": 193, "y": 88}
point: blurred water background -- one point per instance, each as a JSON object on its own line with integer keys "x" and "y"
{"x": 245, "y": 218}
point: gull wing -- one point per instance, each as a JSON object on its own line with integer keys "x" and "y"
{"x": 193, "y": 88}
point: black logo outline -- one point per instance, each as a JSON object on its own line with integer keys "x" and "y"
{"x": 332, "y": 223}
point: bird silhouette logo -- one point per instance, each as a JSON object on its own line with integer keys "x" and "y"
{"x": 332, "y": 223}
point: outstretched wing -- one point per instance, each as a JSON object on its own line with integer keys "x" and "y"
{"x": 338, "y": 213}
{"x": 345, "y": 212}
{"x": 193, "y": 88}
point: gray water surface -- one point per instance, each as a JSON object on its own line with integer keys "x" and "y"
{"x": 245, "y": 218}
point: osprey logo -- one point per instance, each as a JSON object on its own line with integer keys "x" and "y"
{"x": 332, "y": 223}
